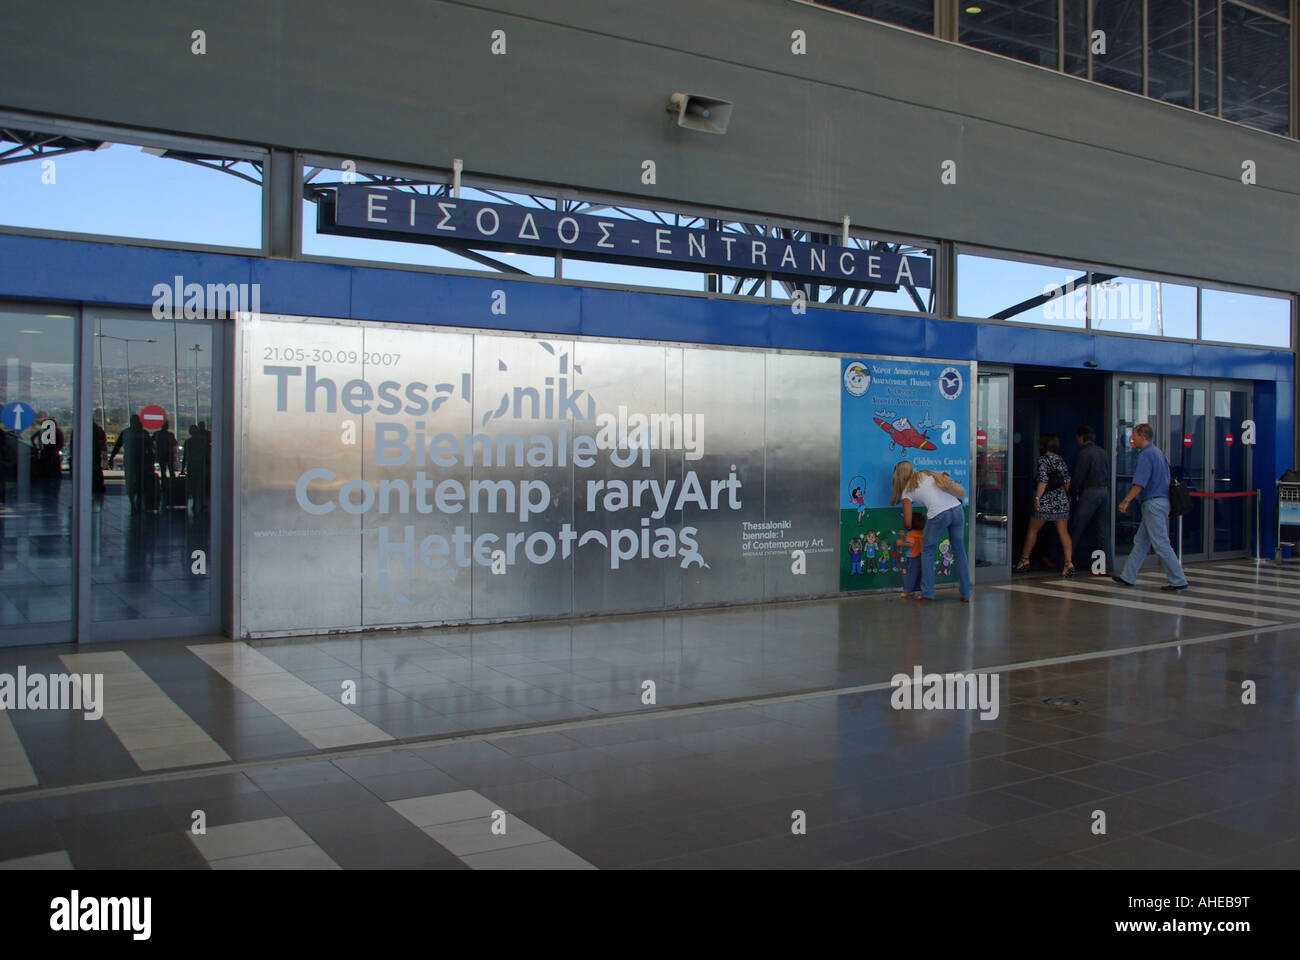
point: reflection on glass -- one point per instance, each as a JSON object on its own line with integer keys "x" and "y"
{"x": 1256, "y": 71}
{"x": 1021, "y": 29}
{"x": 1245, "y": 318}
{"x": 1207, "y": 46}
{"x": 1185, "y": 447}
{"x": 1076, "y": 37}
{"x": 1021, "y": 292}
{"x": 1231, "y": 515}
{"x": 1149, "y": 307}
{"x": 152, "y": 450}
{"x": 36, "y": 486}
{"x": 1121, "y": 65}
{"x": 991, "y": 479}
{"x": 1135, "y": 402}
{"x": 913, "y": 14}
{"x": 1170, "y": 53}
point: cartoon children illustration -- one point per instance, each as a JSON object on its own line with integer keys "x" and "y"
{"x": 945, "y": 558}
{"x": 858, "y": 501}
{"x": 871, "y": 548}
{"x": 884, "y": 555}
{"x": 855, "y": 555}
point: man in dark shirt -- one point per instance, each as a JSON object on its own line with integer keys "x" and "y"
{"x": 1092, "y": 511}
{"x": 1151, "y": 488}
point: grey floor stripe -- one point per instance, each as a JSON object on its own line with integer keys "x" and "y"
{"x": 1128, "y": 603}
{"x": 1245, "y": 582}
{"x": 1202, "y": 595}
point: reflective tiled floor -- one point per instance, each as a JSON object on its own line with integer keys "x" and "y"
{"x": 771, "y": 741}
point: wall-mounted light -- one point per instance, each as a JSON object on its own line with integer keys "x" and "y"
{"x": 973, "y": 9}
{"x": 705, "y": 114}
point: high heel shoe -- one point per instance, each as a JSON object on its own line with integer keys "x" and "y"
{"x": 1022, "y": 566}
{"x": 1068, "y": 571}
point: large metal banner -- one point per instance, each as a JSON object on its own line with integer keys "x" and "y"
{"x": 411, "y": 475}
{"x": 891, "y": 410}
{"x": 368, "y": 211}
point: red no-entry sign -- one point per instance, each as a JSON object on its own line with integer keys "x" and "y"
{"x": 981, "y": 438}
{"x": 152, "y": 416}
{"x": 1228, "y": 439}
{"x": 1187, "y": 439}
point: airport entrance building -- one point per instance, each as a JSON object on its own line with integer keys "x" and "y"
{"x": 489, "y": 356}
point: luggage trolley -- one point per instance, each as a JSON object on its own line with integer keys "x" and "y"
{"x": 1288, "y": 508}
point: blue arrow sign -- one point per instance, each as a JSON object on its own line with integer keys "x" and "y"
{"x": 17, "y": 416}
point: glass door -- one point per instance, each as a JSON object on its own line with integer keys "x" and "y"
{"x": 993, "y": 473}
{"x": 1187, "y": 445}
{"x": 1136, "y": 401}
{"x": 38, "y": 354}
{"x": 152, "y": 563}
{"x": 1232, "y": 518}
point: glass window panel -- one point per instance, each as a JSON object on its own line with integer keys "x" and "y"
{"x": 1207, "y": 42}
{"x": 1256, "y": 78}
{"x": 1021, "y": 29}
{"x": 913, "y": 14}
{"x": 1281, "y": 7}
{"x": 1185, "y": 448}
{"x": 124, "y": 190}
{"x": 1231, "y": 515}
{"x": 1135, "y": 402}
{"x": 988, "y": 288}
{"x": 1150, "y": 307}
{"x": 152, "y": 491}
{"x": 1076, "y": 37}
{"x": 991, "y": 478}
{"x": 1171, "y": 51}
{"x": 1245, "y": 318}
{"x": 1121, "y": 65}
{"x": 37, "y": 347}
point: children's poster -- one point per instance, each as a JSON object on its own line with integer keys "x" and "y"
{"x": 892, "y": 410}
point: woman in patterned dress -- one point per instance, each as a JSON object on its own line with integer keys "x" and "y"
{"x": 1051, "y": 501}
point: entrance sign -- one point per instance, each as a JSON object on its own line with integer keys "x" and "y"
{"x": 153, "y": 417}
{"x": 386, "y": 214}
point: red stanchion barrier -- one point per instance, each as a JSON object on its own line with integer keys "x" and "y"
{"x": 1223, "y": 496}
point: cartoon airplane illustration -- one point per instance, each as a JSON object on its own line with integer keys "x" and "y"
{"x": 903, "y": 434}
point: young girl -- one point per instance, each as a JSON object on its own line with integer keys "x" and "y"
{"x": 912, "y": 565}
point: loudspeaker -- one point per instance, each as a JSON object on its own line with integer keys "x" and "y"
{"x": 705, "y": 114}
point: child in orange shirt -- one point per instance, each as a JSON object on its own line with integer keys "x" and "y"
{"x": 912, "y": 565}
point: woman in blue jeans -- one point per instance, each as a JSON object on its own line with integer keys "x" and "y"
{"x": 943, "y": 514}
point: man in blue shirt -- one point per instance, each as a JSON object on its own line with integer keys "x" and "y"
{"x": 1151, "y": 488}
